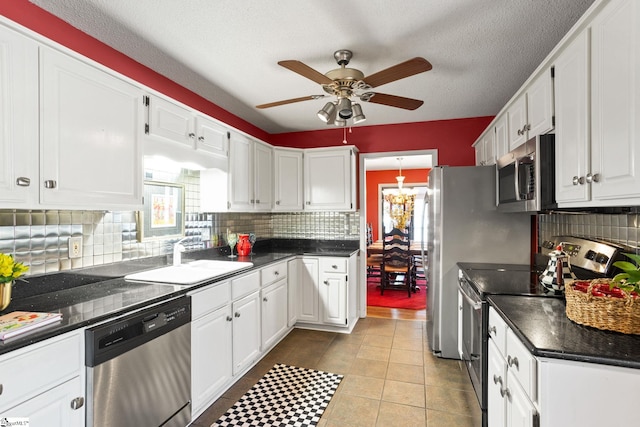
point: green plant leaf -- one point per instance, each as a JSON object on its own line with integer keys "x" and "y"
{"x": 625, "y": 266}
{"x": 634, "y": 257}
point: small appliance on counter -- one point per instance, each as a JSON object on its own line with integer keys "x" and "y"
{"x": 558, "y": 270}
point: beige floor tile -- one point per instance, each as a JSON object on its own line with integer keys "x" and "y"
{"x": 369, "y": 368}
{"x": 335, "y": 365}
{"x": 393, "y": 415}
{"x": 405, "y": 373}
{"x": 378, "y": 340}
{"x": 353, "y": 411}
{"x": 374, "y": 353}
{"x": 407, "y": 357}
{"x": 447, "y": 373}
{"x": 404, "y": 393}
{"x": 446, "y": 419}
{"x": 357, "y": 385}
{"x": 344, "y": 347}
{"x": 408, "y": 343}
{"x": 387, "y": 329}
{"x": 452, "y": 400}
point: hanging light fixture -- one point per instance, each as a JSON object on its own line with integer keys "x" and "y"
{"x": 400, "y": 201}
{"x": 358, "y": 115}
{"x": 344, "y": 108}
{"x": 328, "y": 112}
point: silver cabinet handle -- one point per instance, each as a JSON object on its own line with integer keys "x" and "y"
{"x": 277, "y": 202}
{"x": 236, "y": 314}
{"x": 229, "y": 318}
{"x": 578, "y": 180}
{"x": 1, "y": 389}
{"x": 201, "y": 138}
{"x": 505, "y": 392}
{"x": 513, "y": 361}
{"x": 277, "y": 273}
{"x": 492, "y": 329}
{"x": 258, "y": 201}
{"x": 335, "y": 267}
{"x": 50, "y": 183}
{"x": 265, "y": 299}
{"x": 308, "y": 202}
{"x": 593, "y": 178}
{"x": 192, "y": 135}
{"x": 23, "y": 181}
{"x": 326, "y": 282}
{"x": 497, "y": 380}
{"x": 77, "y": 403}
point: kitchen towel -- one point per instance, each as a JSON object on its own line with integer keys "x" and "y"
{"x": 285, "y": 396}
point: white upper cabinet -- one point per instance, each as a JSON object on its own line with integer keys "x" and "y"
{"x": 90, "y": 153}
{"x": 250, "y": 174}
{"x": 329, "y": 179}
{"x": 502, "y": 136}
{"x": 615, "y": 104}
{"x": 572, "y": 121}
{"x": 598, "y": 128}
{"x": 485, "y": 148}
{"x": 211, "y": 137}
{"x": 288, "y": 185}
{"x": 169, "y": 121}
{"x": 531, "y": 113}
{"x": 18, "y": 120}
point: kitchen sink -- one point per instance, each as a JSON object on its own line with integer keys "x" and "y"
{"x": 189, "y": 273}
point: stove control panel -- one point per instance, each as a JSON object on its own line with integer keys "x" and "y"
{"x": 596, "y": 256}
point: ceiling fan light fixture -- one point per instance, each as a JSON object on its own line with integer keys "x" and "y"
{"x": 340, "y": 122}
{"x": 344, "y": 108}
{"x": 326, "y": 113}
{"x": 358, "y": 115}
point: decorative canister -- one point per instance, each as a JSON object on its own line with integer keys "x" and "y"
{"x": 558, "y": 270}
{"x": 5, "y": 294}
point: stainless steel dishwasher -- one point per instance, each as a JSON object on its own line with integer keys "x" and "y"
{"x": 139, "y": 368}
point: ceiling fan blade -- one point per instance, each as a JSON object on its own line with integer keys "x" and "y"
{"x": 289, "y": 101}
{"x": 397, "y": 72}
{"x": 306, "y": 71}
{"x": 395, "y": 101}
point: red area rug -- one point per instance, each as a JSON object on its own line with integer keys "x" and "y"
{"x": 395, "y": 298}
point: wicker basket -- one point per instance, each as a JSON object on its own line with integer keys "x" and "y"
{"x": 612, "y": 314}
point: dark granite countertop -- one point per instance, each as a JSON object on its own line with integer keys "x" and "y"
{"x": 546, "y": 331}
{"x": 92, "y": 295}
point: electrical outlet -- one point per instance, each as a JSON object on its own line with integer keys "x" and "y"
{"x": 75, "y": 247}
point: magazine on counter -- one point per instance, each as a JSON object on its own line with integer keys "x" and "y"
{"x": 19, "y": 322}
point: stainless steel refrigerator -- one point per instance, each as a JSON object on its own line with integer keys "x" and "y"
{"x": 463, "y": 225}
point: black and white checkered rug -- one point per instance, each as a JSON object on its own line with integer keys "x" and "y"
{"x": 285, "y": 396}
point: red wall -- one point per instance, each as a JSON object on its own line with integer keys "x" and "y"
{"x": 452, "y": 138}
{"x": 412, "y": 176}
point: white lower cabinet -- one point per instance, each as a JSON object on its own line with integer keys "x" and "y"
{"x": 308, "y": 308}
{"x": 246, "y": 331}
{"x": 45, "y": 382}
{"x": 293, "y": 275}
{"x": 274, "y": 313}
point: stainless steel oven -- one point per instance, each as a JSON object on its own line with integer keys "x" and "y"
{"x": 473, "y": 320}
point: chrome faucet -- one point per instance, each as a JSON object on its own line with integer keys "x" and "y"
{"x": 178, "y": 248}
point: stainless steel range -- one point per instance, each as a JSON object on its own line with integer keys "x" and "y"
{"x": 588, "y": 259}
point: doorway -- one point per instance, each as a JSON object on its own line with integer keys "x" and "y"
{"x": 419, "y": 161}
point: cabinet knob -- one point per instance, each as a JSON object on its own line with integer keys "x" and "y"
{"x": 23, "y": 181}
{"x": 192, "y": 135}
{"x": 265, "y": 299}
{"x": 277, "y": 273}
{"x": 326, "y": 282}
{"x": 497, "y": 380}
{"x": 308, "y": 202}
{"x": 504, "y": 392}
{"x": 1, "y": 389}
{"x": 335, "y": 267}
{"x": 77, "y": 403}
{"x": 593, "y": 178}
{"x": 229, "y": 318}
{"x": 50, "y": 183}
{"x": 513, "y": 361}
{"x": 258, "y": 201}
{"x": 201, "y": 138}
{"x": 578, "y": 180}
{"x": 236, "y": 314}
{"x": 492, "y": 329}
{"x": 277, "y": 202}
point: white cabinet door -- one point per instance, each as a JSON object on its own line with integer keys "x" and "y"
{"x": 496, "y": 386}
{"x": 246, "y": 331}
{"x": 489, "y": 144}
{"x": 517, "y": 118}
{"x": 211, "y": 364}
{"x": 263, "y": 176}
{"x": 90, "y": 143}
{"x": 572, "y": 121}
{"x": 502, "y": 136}
{"x": 211, "y": 137}
{"x": 329, "y": 179}
{"x": 520, "y": 410}
{"x": 293, "y": 279}
{"x": 478, "y": 147}
{"x": 615, "y": 103}
{"x": 333, "y": 298}
{"x": 18, "y": 120}
{"x": 540, "y": 105}
{"x": 169, "y": 121}
{"x": 53, "y": 408}
{"x": 274, "y": 313}
{"x": 240, "y": 173}
{"x": 308, "y": 291}
{"x": 288, "y": 180}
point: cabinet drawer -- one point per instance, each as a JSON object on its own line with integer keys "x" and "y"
{"x": 522, "y": 364}
{"x": 334, "y": 265}
{"x": 210, "y": 298}
{"x": 272, "y": 273}
{"x": 245, "y": 284}
{"x": 498, "y": 330}
{"x": 37, "y": 368}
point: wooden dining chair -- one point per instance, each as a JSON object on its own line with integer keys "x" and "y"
{"x": 374, "y": 261}
{"x": 395, "y": 270}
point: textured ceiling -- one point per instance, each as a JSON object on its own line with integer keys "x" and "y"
{"x": 227, "y": 50}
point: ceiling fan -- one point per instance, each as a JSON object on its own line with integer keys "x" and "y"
{"x": 345, "y": 83}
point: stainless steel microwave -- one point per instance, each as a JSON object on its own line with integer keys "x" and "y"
{"x": 526, "y": 177}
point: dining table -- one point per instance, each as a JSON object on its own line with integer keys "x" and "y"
{"x": 415, "y": 248}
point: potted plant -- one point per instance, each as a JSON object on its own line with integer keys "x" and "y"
{"x": 10, "y": 270}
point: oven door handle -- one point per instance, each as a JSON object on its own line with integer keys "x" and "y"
{"x": 477, "y": 305}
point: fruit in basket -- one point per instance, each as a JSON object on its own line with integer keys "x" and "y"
{"x": 604, "y": 288}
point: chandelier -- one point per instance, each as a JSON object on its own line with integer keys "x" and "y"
{"x": 400, "y": 200}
